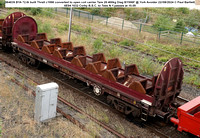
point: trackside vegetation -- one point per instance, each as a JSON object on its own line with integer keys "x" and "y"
{"x": 149, "y": 60}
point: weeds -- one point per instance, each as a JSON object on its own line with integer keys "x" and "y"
{"x": 45, "y": 27}
{"x": 104, "y": 117}
{"x": 120, "y": 128}
{"x": 35, "y": 11}
{"x": 62, "y": 27}
{"x": 88, "y": 30}
{"x": 2, "y": 3}
{"x": 18, "y": 116}
{"x": 114, "y": 51}
{"x": 192, "y": 79}
{"x": 48, "y": 12}
{"x": 126, "y": 43}
{"x": 77, "y": 28}
{"x": 98, "y": 45}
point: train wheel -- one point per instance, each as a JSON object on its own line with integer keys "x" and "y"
{"x": 37, "y": 64}
{"x": 97, "y": 90}
{"x": 24, "y": 59}
{"x": 136, "y": 113}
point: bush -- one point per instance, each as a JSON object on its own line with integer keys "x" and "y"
{"x": 35, "y": 11}
{"x": 183, "y": 10}
{"x": 2, "y": 3}
{"x": 163, "y": 23}
{"x": 107, "y": 11}
{"x": 180, "y": 26}
{"x": 95, "y": 11}
{"x": 192, "y": 19}
{"x": 132, "y": 14}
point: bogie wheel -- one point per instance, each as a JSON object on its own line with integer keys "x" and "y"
{"x": 97, "y": 90}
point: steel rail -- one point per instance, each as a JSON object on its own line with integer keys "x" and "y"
{"x": 154, "y": 130}
{"x": 66, "y": 103}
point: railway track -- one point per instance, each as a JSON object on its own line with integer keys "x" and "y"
{"x": 154, "y": 58}
{"x": 63, "y": 105}
{"x": 86, "y": 91}
{"x": 143, "y": 54}
{"x": 181, "y": 99}
{"x": 81, "y": 89}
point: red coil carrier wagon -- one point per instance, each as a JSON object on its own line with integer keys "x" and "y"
{"x": 189, "y": 117}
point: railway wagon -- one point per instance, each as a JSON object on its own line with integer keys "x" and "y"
{"x": 189, "y": 117}
{"x": 126, "y": 89}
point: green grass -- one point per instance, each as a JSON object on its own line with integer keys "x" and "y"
{"x": 2, "y": 3}
{"x": 126, "y": 43}
{"x": 190, "y": 52}
{"x": 192, "y": 79}
{"x": 98, "y": 45}
{"x": 62, "y": 27}
{"x": 45, "y": 27}
{"x": 145, "y": 63}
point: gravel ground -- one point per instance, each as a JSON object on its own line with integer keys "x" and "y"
{"x": 91, "y": 107}
{"x": 189, "y": 92}
{"x": 95, "y": 109}
{"x": 17, "y": 114}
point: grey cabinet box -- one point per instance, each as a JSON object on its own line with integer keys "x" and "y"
{"x": 46, "y": 101}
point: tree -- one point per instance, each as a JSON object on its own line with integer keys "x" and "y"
{"x": 163, "y": 23}
{"x": 180, "y": 26}
{"x": 183, "y": 10}
{"x": 193, "y": 19}
{"x": 2, "y": 4}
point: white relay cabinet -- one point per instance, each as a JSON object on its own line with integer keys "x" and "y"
{"x": 46, "y": 101}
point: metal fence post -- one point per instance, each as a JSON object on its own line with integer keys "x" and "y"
{"x": 140, "y": 27}
{"x": 106, "y": 21}
{"x": 181, "y": 38}
{"x": 122, "y": 24}
{"x": 67, "y": 12}
{"x": 79, "y": 14}
{"x": 56, "y": 10}
{"x": 92, "y": 17}
{"x": 88, "y": 16}
{"x": 159, "y": 33}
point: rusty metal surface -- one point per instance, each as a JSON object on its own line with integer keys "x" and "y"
{"x": 25, "y": 25}
{"x": 159, "y": 92}
{"x": 9, "y": 22}
{"x": 86, "y": 74}
{"x": 1, "y": 23}
{"x": 152, "y": 127}
{"x": 118, "y": 89}
{"x": 168, "y": 84}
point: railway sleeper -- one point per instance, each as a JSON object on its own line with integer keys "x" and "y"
{"x": 123, "y": 107}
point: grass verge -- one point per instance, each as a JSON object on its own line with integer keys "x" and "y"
{"x": 57, "y": 26}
